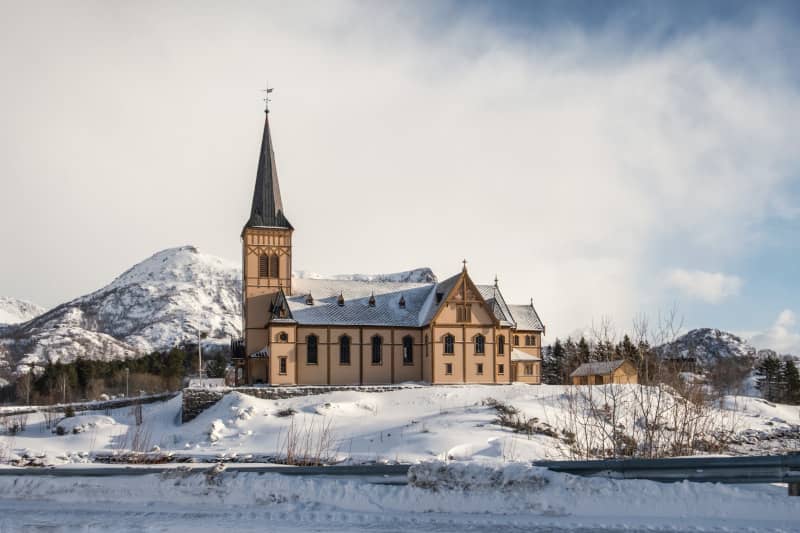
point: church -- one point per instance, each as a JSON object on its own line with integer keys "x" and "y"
{"x": 347, "y": 332}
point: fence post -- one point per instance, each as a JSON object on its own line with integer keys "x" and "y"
{"x": 794, "y": 489}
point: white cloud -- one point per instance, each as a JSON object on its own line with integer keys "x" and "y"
{"x": 711, "y": 287}
{"x": 562, "y": 162}
{"x": 783, "y": 336}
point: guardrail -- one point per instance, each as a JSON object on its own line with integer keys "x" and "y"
{"x": 755, "y": 469}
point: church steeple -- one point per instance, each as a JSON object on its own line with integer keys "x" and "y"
{"x": 267, "y": 208}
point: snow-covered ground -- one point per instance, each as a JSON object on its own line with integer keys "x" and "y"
{"x": 474, "y": 497}
{"x": 405, "y": 425}
{"x": 485, "y": 487}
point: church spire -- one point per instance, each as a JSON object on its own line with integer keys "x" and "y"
{"x": 267, "y": 208}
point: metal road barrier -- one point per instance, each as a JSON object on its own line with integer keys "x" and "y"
{"x": 754, "y": 469}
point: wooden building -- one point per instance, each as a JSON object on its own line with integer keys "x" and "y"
{"x": 601, "y": 373}
{"x": 344, "y": 332}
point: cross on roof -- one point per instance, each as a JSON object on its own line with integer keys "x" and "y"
{"x": 464, "y": 262}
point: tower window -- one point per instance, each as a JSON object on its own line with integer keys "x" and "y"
{"x": 480, "y": 344}
{"x": 273, "y": 266}
{"x": 312, "y": 357}
{"x": 263, "y": 266}
{"x": 282, "y": 366}
{"x": 344, "y": 350}
{"x": 501, "y": 345}
{"x": 479, "y": 369}
{"x": 408, "y": 350}
{"x": 377, "y": 348}
{"x": 283, "y": 336}
{"x": 449, "y": 344}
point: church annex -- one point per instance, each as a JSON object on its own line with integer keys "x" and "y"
{"x": 330, "y": 332}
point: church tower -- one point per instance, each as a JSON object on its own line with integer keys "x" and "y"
{"x": 266, "y": 249}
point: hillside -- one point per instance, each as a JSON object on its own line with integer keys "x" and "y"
{"x": 707, "y": 346}
{"x": 154, "y": 305}
{"x": 14, "y": 310}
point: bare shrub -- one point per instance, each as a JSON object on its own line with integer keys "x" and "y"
{"x": 15, "y": 423}
{"x": 510, "y": 417}
{"x": 283, "y": 413}
{"x": 51, "y": 418}
{"x": 309, "y": 445}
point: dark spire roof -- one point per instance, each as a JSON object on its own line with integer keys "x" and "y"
{"x": 267, "y": 209}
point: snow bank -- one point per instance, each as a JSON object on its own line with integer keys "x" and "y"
{"x": 438, "y": 475}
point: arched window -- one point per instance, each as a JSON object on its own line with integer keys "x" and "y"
{"x": 449, "y": 344}
{"x": 527, "y": 340}
{"x": 273, "y": 266}
{"x": 516, "y": 340}
{"x": 344, "y": 350}
{"x": 283, "y": 336}
{"x": 408, "y": 350}
{"x": 312, "y": 357}
{"x": 480, "y": 344}
{"x": 263, "y": 266}
{"x": 533, "y": 340}
{"x": 501, "y": 345}
{"x": 377, "y": 345}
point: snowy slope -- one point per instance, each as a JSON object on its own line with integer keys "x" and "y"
{"x": 14, "y": 311}
{"x": 153, "y": 305}
{"x": 707, "y": 345}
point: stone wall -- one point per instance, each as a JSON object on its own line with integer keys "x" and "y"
{"x": 195, "y": 401}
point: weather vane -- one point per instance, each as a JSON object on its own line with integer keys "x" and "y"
{"x": 266, "y": 92}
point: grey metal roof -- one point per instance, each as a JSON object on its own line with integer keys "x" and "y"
{"x": 420, "y": 300}
{"x": 494, "y": 298}
{"x": 599, "y": 368}
{"x": 267, "y": 207}
{"x": 526, "y": 318}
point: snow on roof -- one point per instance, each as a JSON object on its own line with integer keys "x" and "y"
{"x": 519, "y": 355}
{"x": 420, "y": 303}
{"x": 526, "y": 318}
{"x": 601, "y": 368}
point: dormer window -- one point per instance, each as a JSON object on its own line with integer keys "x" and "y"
{"x": 340, "y": 300}
{"x": 309, "y": 299}
{"x": 372, "y": 300}
{"x": 402, "y": 302}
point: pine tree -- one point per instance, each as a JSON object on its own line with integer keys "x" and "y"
{"x": 791, "y": 383}
{"x": 571, "y": 358}
{"x": 554, "y": 364}
{"x": 770, "y": 378}
{"x": 584, "y": 352}
{"x": 217, "y": 366}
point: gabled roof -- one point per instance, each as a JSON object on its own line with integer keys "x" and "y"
{"x": 526, "y": 318}
{"x": 594, "y": 369}
{"x": 267, "y": 207}
{"x": 420, "y": 308}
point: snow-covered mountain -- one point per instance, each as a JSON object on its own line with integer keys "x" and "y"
{"x": 418, "y": 275}
{"x": 706, "y": 346}
{"x": 14, "y": 311}
{"x": 154, "y": 305}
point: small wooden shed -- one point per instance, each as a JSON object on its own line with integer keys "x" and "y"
{"x": 600, "y": 373}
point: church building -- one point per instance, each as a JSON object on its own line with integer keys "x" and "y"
{"x": 345, "y": 332}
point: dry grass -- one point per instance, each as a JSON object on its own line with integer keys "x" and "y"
{"x": 308, "y": 445}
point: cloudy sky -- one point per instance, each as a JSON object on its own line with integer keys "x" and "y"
{"x": 605, "y": 159}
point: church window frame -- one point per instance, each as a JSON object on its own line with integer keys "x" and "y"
{"x": 263, "y": 266}
{"x": 344, "y": 350}
{"x": 408, "y": 350}
{"x": 501, "y": 345}
{"x": 274, "y": 266}
{"x": 282, "y": 337}
{"x": 449, "y": 342}
{"x": 480, "y": 344}
{"x": 463, "y": 314}
{"x": 282, "y": 366}
{"x": 479, "y": 369}
{"x": 312, "y": 350}
{"x": 448, "y": 369}
{"x": 377, "y": 350}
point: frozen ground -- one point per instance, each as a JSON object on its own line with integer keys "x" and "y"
{"x": 471, "y": 497}
{"x": 407, "y": 425}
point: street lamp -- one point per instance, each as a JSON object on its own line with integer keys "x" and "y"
{"x": 127, "y": 375}
{"x": 200, "y": 336}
